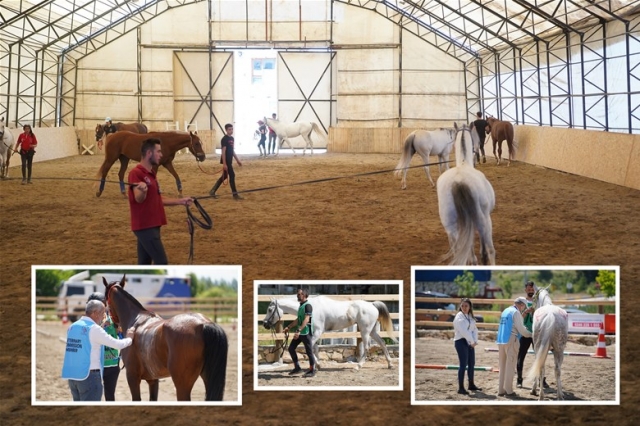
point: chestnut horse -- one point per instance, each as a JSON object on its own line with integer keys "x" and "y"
{"x": 183, "y": 348}
{"x": 125, "y": 146}
{"x": 500, "y": 131}
{"x": 131, "y": 127}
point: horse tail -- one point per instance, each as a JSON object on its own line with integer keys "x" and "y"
{"x": 214, "y": 372}
{"x": 541, "y": 343}
{"x": 384, "y": 317}
{"x": 318, "y": 130}
{"x": 467, "y": 214}
{"x": 407, "y": 153}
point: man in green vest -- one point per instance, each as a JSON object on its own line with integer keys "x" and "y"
{"x": 303, "y": 333}
{"x": 526, "y": 342}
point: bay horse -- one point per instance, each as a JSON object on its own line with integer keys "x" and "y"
{"x": 284, "y": 131}
{"x": 550, "y": 331}
{"x": 6, "y": 149}
{"x": 465, "y": 202}
{"x": 501, "y": 131}
{"x": 426, "y": 143}
{"x": 185, "y": 347}
{"x": 330, "y": 315}
{"x": 120, "y": 127}
{"x": 125, "y": 146}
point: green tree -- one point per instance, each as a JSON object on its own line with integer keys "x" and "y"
{"x": 467, "y": 285}
{"x": 607, "y": 281}
{"x": 48, "y": 281}
{"x": 507, "y": 288}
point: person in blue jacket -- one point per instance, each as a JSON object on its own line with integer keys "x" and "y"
{"x": 84, "y": 356}
{"x": 509, "y": 331}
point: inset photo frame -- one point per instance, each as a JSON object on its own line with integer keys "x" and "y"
{"x": 336, "y": 320}
{"x": 184, "y": 323}
{"x": 515, "y": 335}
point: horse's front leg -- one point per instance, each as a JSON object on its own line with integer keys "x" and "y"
{"x": 316, "y": 349}
{"x": 172, "y": 170}
{"x": 154, "y": 387}
{"x": 133, "y": 380}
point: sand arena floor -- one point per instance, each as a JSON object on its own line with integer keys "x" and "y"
{"x": 355, "y": 228}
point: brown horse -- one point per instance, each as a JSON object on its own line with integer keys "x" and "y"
{"x": 183, "y": 348}
{"x": 131, "y": 127}
{"x": 500, "y": 131}
{"x": 125, "y": 146}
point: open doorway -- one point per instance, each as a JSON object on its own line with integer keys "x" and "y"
{"x": 255, "y": 95}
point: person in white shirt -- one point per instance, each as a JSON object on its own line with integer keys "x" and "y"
{"x": 465, "y": 341}
{"x": 508, "y": 339}
{"x": 84, "y": 356}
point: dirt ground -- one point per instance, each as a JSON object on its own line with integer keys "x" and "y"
{"x": 374, "y": 374}
{"x": 579, "y": 374}
{"x": 50, "y": 342}
{"x": 354, "y": 228}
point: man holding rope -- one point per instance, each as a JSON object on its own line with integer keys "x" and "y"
{"x": 303, "y": 334}
{"x": 147, "y": 205}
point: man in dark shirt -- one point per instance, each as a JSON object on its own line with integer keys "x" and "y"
{"x": 109, "y": 127}
{"x": 226, "y": 159}
{"x": 480, "y": 124}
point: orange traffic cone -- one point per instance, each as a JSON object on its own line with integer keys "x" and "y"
{"x": 601, "y": 348}
{"x": 65, "y": 318}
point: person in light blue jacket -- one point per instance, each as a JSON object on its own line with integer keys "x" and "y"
{"x": 84, "y": 356}
{"x": 509, "y": 331}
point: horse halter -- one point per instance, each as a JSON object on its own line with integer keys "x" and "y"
{"x": 112, "y": 312}
{"x": 269, "y": 320}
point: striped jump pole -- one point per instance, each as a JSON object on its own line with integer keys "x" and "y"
{"x": 451, "y": 367}
{"x": 550, "y": 352}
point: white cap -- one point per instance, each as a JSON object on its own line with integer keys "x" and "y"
{"x": 107, "y": 119}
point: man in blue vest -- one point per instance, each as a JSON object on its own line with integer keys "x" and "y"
{"x": 509, "y": 331}
{"x": 84, "y": 356}
{"x": 304, "y": 332}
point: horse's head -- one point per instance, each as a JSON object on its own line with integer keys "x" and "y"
{"x": 541, "y": 297}
{"x": 273, "y": 316}
{"x": 99, "y": 132}
{"x": 110, "y": 290}
{"x": 195, "y": 147}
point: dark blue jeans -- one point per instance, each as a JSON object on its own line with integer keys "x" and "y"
{"x": 89, "y": 389}
{"x": 466, "y": 361}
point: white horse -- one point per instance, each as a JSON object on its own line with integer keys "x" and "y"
{"x": 330, "y": 315}
{"x": 436, "y": 142}
{"x": 285, "y": 131}
{"x": 465, "y": 201}
{"x": 550, "y": 330}
{"x": 6, "y": 149}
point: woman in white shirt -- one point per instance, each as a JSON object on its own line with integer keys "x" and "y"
{"x": 465, "y": 341}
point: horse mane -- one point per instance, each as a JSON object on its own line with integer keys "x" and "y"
{"x": 129, "y": 297}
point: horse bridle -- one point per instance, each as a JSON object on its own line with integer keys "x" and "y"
{"x": 285, "y": 342}
{"x": 112, "y": 312}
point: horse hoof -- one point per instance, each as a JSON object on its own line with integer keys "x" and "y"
{"x": 99, "y": 193}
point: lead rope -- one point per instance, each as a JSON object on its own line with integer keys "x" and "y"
{"x": 206, "y": 223}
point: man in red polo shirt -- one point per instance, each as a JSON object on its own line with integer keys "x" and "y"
{"x": 147, "y": 205}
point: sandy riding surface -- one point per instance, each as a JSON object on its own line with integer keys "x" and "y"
{"x": 347, "y": 229}
{"x": 579, "y": 374}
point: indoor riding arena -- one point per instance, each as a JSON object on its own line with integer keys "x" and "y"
{"x": 368, "y": 73}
